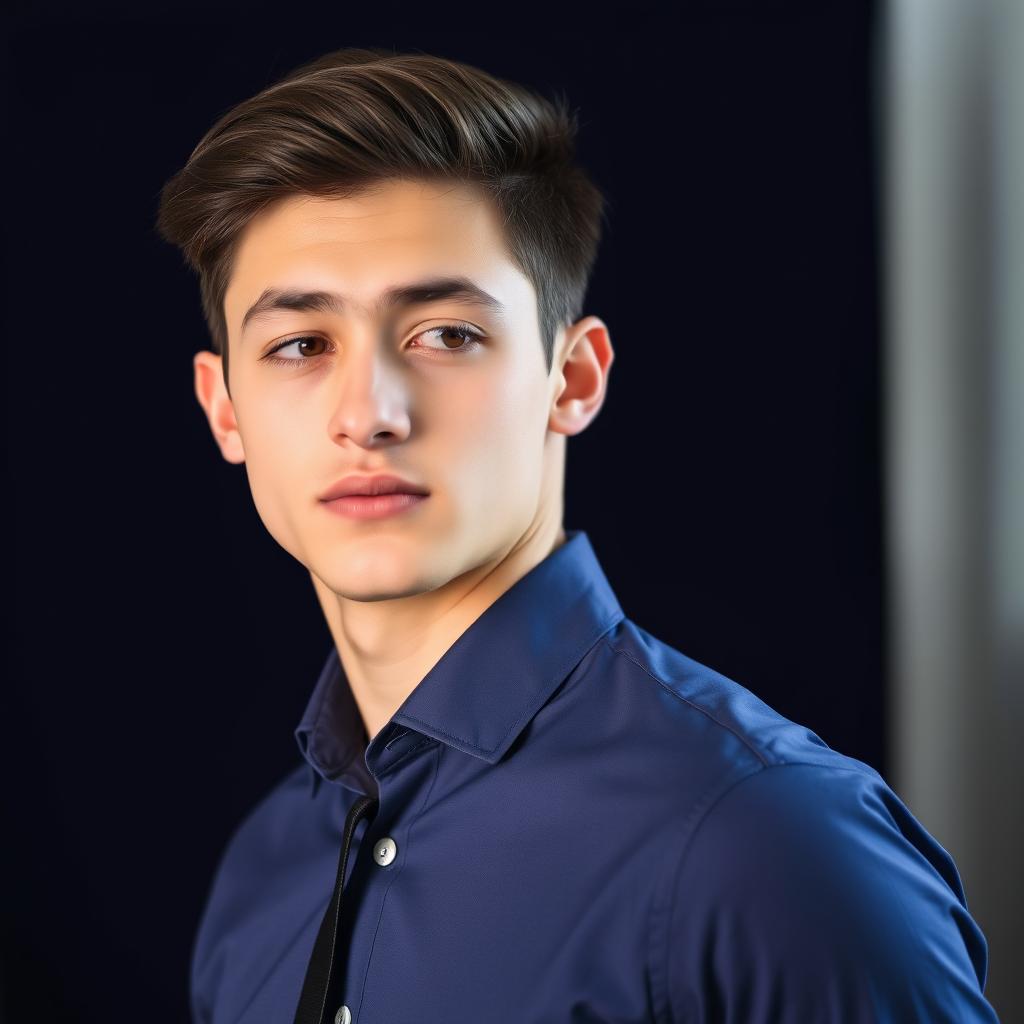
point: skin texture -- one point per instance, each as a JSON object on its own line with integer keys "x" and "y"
{"x": 483, "y": 429}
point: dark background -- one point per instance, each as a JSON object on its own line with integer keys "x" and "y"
{"x": 163, "y": 646}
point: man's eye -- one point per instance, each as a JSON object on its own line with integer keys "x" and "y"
{"x": 460, "y": 330}
{"x": 271, "y": 357}
{"x": 471, "y": 339}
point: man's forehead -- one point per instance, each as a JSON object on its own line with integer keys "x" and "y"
{"x": 402, "y": 232}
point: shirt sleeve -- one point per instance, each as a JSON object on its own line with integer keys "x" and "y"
{"x": 810, "y": 893}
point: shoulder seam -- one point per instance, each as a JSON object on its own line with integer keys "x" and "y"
{"x": 677, "y": 863}
{"x": 749, "y": 775}
{"x": 704, "y": 711}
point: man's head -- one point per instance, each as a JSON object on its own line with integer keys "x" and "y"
{"x": 357, "y": 177}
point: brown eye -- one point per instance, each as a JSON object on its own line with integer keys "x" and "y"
{"x": 301, "y": 345}
{"x": 469, "y": 337}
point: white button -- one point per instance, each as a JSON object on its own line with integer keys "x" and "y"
{"x": 343, "y": 1016}
{"x": 385, "y": 850}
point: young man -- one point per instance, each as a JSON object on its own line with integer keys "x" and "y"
{"x": 514, "y": 804}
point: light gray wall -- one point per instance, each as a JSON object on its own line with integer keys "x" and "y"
{"x": 950, "y": 101}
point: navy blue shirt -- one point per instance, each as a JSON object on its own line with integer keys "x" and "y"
{"x": 582, "y": 824}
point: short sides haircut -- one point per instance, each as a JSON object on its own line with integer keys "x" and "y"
{"x": 357, "y": 117}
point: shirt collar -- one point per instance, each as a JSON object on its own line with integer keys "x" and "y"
{"x": 488, "y": 685}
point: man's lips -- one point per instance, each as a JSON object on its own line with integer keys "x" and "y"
{"x": 374, "y": 506}
{"x": 379, "y": 484}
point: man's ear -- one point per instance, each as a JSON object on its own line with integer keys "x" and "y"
{"x": 216, "y": 403}
{"x": 586, "y": 357}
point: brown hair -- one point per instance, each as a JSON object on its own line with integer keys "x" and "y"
{"x": 337, "y": 125}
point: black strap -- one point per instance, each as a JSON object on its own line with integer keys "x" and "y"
{"x": 321, "y": 975}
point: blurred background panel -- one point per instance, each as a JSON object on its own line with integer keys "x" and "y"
{"x": 952, "y": 113}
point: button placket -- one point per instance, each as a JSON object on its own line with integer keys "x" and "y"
{"x": 321, "y": 971}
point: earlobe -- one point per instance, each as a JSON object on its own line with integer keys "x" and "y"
{"x": 216, "y": 403}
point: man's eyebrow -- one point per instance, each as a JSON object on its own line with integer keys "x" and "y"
{"x": 415, "y": 293}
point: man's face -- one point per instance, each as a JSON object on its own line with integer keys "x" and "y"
{"x": 370, "y": 392}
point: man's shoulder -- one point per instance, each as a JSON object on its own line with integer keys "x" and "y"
{"x": 690, "y": 713}
{"x": 813, "y": 885}
{"x": 256, "y": 867}
{"x": 264, "y": 832}
{"x": 263, "y": 837}
{"x": 792, "y": 873}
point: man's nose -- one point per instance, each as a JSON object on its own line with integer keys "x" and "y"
{"x": 370, "y": 400}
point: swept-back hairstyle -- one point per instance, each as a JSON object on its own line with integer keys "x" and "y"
{"x": 344, "y": 122}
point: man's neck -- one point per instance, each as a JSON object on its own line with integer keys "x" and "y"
{"x": 387, "y": 647}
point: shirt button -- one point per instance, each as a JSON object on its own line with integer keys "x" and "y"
{"x": 343, "y": 1016}
{"x": 385, "y": 850}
